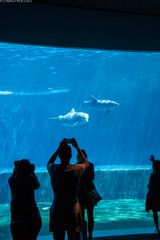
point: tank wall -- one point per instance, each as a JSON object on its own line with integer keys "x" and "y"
{"x": 121, "y": 184}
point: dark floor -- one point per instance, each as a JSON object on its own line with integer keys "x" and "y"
{"x": 128, "y": 237}
{"x": 132, "y": 237}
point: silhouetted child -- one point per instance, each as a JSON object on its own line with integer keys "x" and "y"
{"x": 25, "y": 217}
{"x": 153, "y": 195}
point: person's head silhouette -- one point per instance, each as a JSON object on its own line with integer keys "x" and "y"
{"x": 152, "y": 158}
{"x": 65, "y": 154}
{"x": 24, "y": 168}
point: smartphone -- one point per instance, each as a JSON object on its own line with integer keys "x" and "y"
{"x": 69, "y": 140}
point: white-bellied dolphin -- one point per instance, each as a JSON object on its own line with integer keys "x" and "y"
{"x": 73, "y": 118}
{"x": 101, "y": 105}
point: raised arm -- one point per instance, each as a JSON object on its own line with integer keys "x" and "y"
{"x": 52, "y": 158}
{"x": 55, "y": 155}
{"x": 84, "y": 159}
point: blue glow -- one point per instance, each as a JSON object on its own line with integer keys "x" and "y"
{"x": 37, "y": 83}
{"x": 41, "y": 85}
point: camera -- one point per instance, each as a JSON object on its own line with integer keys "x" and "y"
{"x": 69, "y": 140}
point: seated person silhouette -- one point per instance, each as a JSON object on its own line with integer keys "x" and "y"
{"x": 25, "y": 217}
{"x": 65, "y": 212}
{"x": 153, "y": 195}
{"x": 86, "y": 185}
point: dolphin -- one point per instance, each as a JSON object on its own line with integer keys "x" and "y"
{"x": 101, "y": 105}
{"x": 73, "y": 118}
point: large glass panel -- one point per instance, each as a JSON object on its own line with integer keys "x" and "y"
{"x": 39, "y": 84}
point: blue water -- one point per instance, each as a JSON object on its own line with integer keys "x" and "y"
{"x": 37, "y": 83}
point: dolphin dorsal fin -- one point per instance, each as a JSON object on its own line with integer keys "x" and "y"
{"x": 72, "y": 110}
{"x": 93, "y": 98}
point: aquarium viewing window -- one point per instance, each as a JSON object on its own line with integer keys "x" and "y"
{"x": 116, "y": 97}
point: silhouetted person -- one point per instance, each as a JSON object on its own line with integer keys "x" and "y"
{"x": 65, "y": 213}
{"x": 25, "y": 217}
{"x": 153, "y": 195}
{"x": 86, "y": 185}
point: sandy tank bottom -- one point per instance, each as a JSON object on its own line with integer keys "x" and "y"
{"x": 109, "y": 215}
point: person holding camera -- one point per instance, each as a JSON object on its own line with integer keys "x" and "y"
{"x": 153, "y": 195}
{"x": 65, "y": 212}
{"x": 25, "y": 217}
